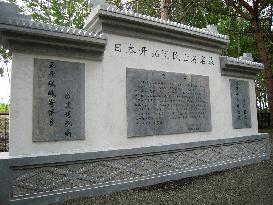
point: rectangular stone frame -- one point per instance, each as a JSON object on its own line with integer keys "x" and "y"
{"x": 160, "y": 103}
{"x": 240, "y": 104}
{"x": 58, "y": 88}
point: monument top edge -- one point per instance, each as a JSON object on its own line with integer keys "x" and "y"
{"x": 241, "y": 62}
{"x": 108, "y": 9}
{"x": 10, "y": 17}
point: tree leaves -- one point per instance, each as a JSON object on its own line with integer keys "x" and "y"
{"x": 69, "y": 13}
{"x": 5, "y": 57}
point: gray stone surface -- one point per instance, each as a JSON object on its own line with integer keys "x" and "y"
{"x": 247, "y": 57}
{"x": 249, "y": 185}
{"x": 8, "y": 10}
{"x": 126, "y": 170}
{"x": 166, "y": 103}
{"x": 240, "y": 104}
{"x": 212, "y": 28}
{"x": 239, "y": 68}
{"x": 50, "y": 179}
{"x": 58, "y": 100}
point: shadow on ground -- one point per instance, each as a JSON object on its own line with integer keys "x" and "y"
{"x": 246, "y": 185}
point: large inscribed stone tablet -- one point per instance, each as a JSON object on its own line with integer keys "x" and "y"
{"x": 58, "y": 101}
{"x": 166, "y": 103}
{"x": 240, "y": 104}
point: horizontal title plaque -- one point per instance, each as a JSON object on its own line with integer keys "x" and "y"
{"x": 240, "y": 104}
{"x": 58, "y": 100}
{"x": 166, "y": 103}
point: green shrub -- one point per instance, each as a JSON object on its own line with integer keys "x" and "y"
{"x": 4, "y": 107}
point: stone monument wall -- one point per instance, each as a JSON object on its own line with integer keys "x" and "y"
{"x": 107, "y": 121}
{"x": 147, "y": 102}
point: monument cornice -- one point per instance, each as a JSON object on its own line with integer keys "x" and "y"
{"x": 108, "y": 19}
{"x": 24, "y": 35}
{"x": 235, "y": 67}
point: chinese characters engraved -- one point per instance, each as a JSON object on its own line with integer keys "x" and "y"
{"x": 58, "y": 100}
{"x": 170, "y": 55}
{"x": 67, "y": 114}
{"x": 166, "y": 103}
{"x": 240, "y": 104}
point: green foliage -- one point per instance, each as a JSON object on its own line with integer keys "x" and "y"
{"x": 147, "y": 7}
{"x": 5, "y": 57}
{"x": 199, "y": 13}
{"x": 60, "y": 12}
{"x": 4, "y": 107}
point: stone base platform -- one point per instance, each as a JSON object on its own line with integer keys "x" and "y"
{"x": 50, "y": 179}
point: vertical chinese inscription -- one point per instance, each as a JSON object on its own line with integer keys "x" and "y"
{"x": 68, "y": 122}
{"x": 58, "y": 101}
{"x": 240, "y": 104}
{"x": 166, "y": 103}
{"x": 51, "y": 92}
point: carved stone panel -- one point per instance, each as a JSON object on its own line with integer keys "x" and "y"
{"x": 58, "y": 100}
{"x": 240, "y": 104}
{"x": 161, "y": 103}
{"x": 91, "y": 174}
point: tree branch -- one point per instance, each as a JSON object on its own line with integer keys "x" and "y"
{"x": 238, "y": 9}
{"x": 247, "y": 6}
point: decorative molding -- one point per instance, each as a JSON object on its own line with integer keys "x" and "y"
{"x": 236, "y": 67}
{"x": 159, "y": 21}
{"x": 25, "y": 23}
{"x": 31, "y": 181}
{"x": 48, "y": 179}
{"x": 109, "y": 19}
{"x": 19, "y": 33}
{"x": 238, "y": 61}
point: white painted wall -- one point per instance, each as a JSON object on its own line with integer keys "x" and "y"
{"x": 105, "y": 108}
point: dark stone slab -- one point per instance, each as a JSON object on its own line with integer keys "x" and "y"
{"x": 240, "y": 104}
{"x": 58, "y": 100}
{"x": 166, "y": 103}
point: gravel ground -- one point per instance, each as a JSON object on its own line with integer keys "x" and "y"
{"x": 246, "y": 185}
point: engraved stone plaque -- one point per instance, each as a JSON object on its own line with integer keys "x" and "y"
{"x": 161, "y": 103}
{"x": 240, "y": 104}
{"x": 58, "y": 100}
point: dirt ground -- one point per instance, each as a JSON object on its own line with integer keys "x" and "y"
{"x": 250, "y": 185}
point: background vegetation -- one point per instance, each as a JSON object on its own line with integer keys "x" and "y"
{"x": 4, "y": 107}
